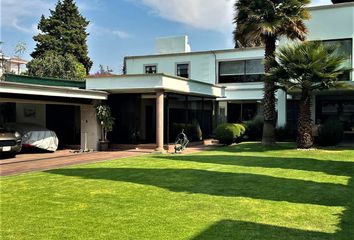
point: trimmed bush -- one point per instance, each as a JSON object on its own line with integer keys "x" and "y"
{"x": 331, "y": 132}
{"x": 228, "y": 133}
{"x": 285, "y": 134}
{"x": 254, "y": 128}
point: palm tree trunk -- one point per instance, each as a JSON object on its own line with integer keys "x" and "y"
{"x": 304, "y": 129}
{"x": 268, "y": 137}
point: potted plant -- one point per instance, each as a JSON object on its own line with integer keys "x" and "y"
{"x": 106, "y": 121}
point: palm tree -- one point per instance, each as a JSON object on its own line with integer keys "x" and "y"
{"x": 308, "y": 67}
{"x": 262, "y": 23}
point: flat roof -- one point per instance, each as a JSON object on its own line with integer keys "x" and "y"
{"x": 45, "y": 81}
{"x": 197, "y": 52}
{"x": 149, "y": 83}
{"x": 329, "y": 6}
{"x": 51, "y": 91}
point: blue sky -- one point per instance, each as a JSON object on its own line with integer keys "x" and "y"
{"x": 127, "y": 27}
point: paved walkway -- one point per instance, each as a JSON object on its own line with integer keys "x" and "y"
{"x": 43, "y": 161}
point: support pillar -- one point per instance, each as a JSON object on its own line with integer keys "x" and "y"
{"x": 282, "y": 99}
{"x": 90, "y": 129}
{"x": 159, "y": 120}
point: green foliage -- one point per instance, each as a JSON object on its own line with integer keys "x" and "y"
{"x": 192, "y": 130}
{"x": 330, "y": 132}
{"x": 104, "y": 117}
{"x": 20, "y": 49}
{"x": 58, "y": 66}
{"x": 285, "y": 134}
{"x": 63, "y": 32}
{"x": 257, "y": 20}
{"x": 228, "y": 133}
{"x": 306, "y": 66}
{"x": 254, "y": 128}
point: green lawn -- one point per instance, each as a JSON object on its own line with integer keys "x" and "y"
{"x": 239, "y": 192}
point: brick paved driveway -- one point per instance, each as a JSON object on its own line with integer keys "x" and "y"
{"x": 42, "y": 161}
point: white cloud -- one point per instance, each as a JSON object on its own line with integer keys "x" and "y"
{"x": 15, "y": 14}
{"x": 202, "y": 14}
{"x": 24, "y": 15}
{"x": 96, "y": 30}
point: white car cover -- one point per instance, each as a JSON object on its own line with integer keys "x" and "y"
{"x": 36, "y": 136}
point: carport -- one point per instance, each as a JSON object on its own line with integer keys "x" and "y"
{"x": 63, "y": 106}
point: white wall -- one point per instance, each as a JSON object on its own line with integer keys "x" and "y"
{"x": 335, "y": 22}
{"x": 172, "y": 45}
{"x": 31, "y": 113}
{"x": 90, "y": 129}
{"x": 203, "y": 65}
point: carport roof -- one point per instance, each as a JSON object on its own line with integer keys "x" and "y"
{"x": 50, "y": 91}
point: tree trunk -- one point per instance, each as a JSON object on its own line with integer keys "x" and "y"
{"x": 268, "y": 137}
{"x": 304, "y": 129}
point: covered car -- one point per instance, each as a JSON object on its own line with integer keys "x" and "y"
{"x": 36, "y": 136}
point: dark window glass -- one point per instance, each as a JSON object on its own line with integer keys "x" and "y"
{"x": 150, "y": 69}
{"x": 344, "y": 48}
{"x": 241, "y": 71}
{"x": 183, "y": 70}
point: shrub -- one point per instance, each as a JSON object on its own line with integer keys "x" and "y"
{"x": 228, "y": 133}
{"x": 285, "y": 134}
{"x": 330, "y": 133}
{"x": 254, "y": 128}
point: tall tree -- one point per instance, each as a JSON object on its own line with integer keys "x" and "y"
{"x": 262, "y": 23}
{"x": 63, "y": 32}
{"x": 308, "y": 67}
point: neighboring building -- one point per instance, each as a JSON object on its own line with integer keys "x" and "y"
{"x": 12, "y": 65}
{"x": 191, "y": 85}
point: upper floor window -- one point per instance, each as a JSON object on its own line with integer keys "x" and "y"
{"x": 182, "y": 70}
{"x": 150, "y": 69}
{"x": 344, "y": 48}
{"x": 241, "y": 71}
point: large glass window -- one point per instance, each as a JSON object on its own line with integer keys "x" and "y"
{"x": 344, "y": 48}
{"x": 241, "y": 71}
{"x": 183, "y": 70}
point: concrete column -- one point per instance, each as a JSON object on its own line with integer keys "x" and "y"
{"x": 281, "y": 108}
{"x": 90, "y": 129}
{"x": 159, "y": 120}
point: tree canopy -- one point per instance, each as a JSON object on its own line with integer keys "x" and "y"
{"x": 54, "y": 65}
{"x": 307, "y": 67}
{"x": 62, "y": 33}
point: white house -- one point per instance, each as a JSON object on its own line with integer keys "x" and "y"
{"x": 12, "y": 64}
{"x": 176, "y": 87}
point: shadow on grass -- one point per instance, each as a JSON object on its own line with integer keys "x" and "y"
{"x": 258, "y": 147}
{"x": 221, "y": 184}
{"x": 239, "y": 230}
{"x": 340, "y": 168}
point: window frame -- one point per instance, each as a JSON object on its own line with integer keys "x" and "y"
{"x": 183, "y": 63}
{"x": 244, "y": 75}
{"x": 150, "y": 65}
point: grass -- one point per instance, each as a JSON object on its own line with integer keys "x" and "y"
{"x": 243, "y": 192}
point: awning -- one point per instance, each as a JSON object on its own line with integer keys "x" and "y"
{"x": 145, "y": 83}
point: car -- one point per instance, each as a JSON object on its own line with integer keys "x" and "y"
{"x": 35, "y": 136}
{"x": 10, "y": 142}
